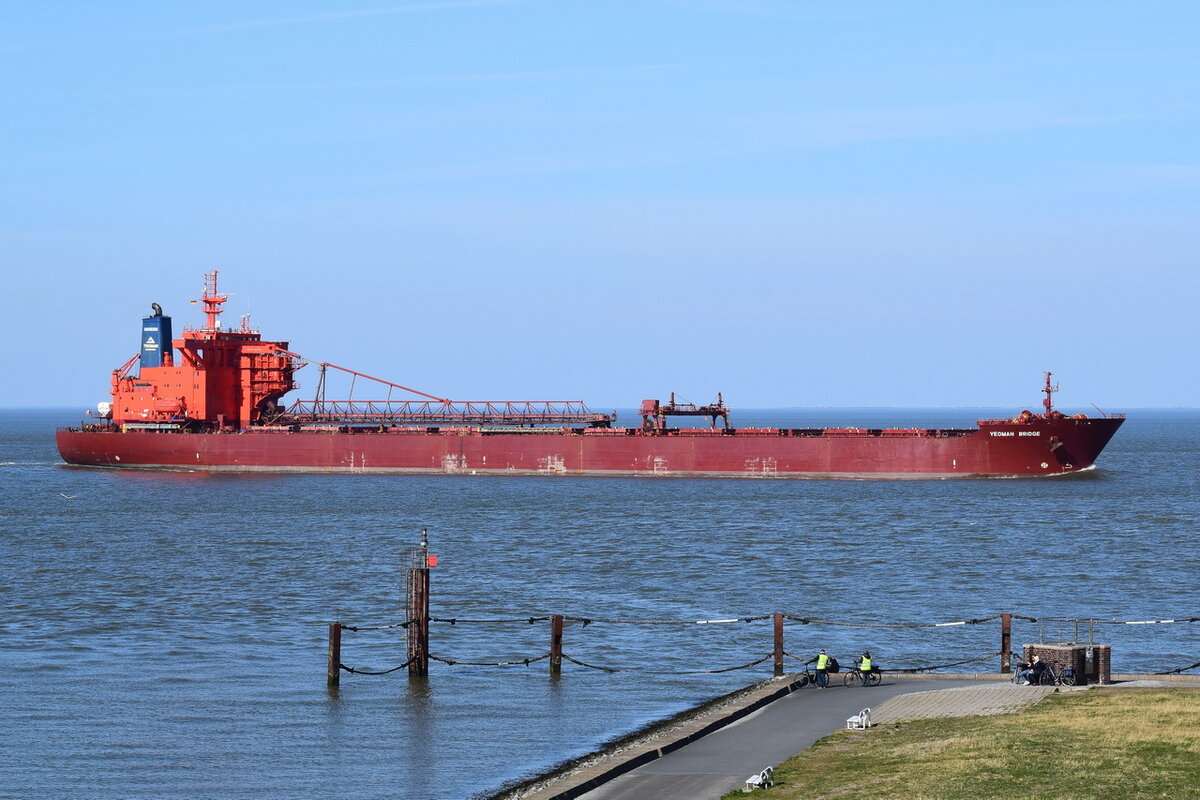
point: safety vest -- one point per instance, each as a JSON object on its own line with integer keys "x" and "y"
{"x": 865, "y": 666}
{"x": 822, "y": 661}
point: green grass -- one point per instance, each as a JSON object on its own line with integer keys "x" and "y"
{"x": 1128, "y": 743}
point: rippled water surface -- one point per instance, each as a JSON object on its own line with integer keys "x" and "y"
{"x": 164, "y": 634}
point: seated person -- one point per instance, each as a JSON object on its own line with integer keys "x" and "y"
{"x": 1035, "y": 670}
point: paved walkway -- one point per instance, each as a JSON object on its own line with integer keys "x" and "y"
{"x": 721, "y": 761}
{"x": 712, "y": 751}
{"x": 978, "y": 700}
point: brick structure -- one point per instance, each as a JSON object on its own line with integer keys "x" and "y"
{"x": 1092, "y": 662}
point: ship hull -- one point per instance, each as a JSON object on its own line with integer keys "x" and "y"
{"x": 996, "y": 449}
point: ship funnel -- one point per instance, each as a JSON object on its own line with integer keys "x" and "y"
{"x": 156, "y": 340}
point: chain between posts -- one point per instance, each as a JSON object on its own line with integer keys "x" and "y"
{"x": 556, "y": 655}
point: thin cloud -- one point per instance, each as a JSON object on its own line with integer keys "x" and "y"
{"x": 362, "y": 13}
{"x": 255, "y": 24}
{"x": 853, "y": 126}
{"x": 468, "y": 77}
{"x": 1166, "y": 173}
{"x": 769, "y": 135}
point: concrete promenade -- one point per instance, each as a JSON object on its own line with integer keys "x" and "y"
{"x": 713, "y": 751}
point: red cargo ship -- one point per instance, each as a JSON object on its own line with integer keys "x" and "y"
{"x": 211, "y": 400}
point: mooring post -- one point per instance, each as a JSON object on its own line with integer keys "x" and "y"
{"x": 556, "y": 625}
{"x": 418, "y": 609}
{"x": 334, "y": 671}
{"x": 419, "y": 630}
{"x": 778, "y": 645}
{"x": 1005, "y": 643}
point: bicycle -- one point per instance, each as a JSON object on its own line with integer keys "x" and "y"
{"x": 856, "y": 677}
{"x": 1051, "y": 676}
{"x": 808, "y": 677}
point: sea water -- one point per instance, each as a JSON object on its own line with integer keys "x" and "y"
{"x": 164, "y": 633}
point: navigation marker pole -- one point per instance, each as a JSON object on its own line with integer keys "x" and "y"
{"x": 418, "y": 607}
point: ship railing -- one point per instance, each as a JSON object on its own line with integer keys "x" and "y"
{"x": 509, "y": 412}
{"x": 1039, "y": 418}
{"x": 431, "y": 420}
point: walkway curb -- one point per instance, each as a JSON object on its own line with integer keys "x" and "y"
{"x": 650, "y": 743}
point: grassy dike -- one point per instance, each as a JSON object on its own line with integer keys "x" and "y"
{"x": 1102, "y": 743}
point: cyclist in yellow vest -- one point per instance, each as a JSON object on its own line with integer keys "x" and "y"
{"x": 822, "y": 665}
{"x": 864, "y": 666}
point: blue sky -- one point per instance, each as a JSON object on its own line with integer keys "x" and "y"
{"x": 796, "y": 204}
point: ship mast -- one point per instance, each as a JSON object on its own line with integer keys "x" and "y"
{"x": 212, "y": 302}
{"x": 1049, "y": 390}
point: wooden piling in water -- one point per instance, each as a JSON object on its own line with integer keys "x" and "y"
{"x": 556, "y": 632}
{"x": 334, "y": 670}
{"x": 1005, "y": 643}
{"x": 778, "y": 645}
{"x": 418, "y": 629}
